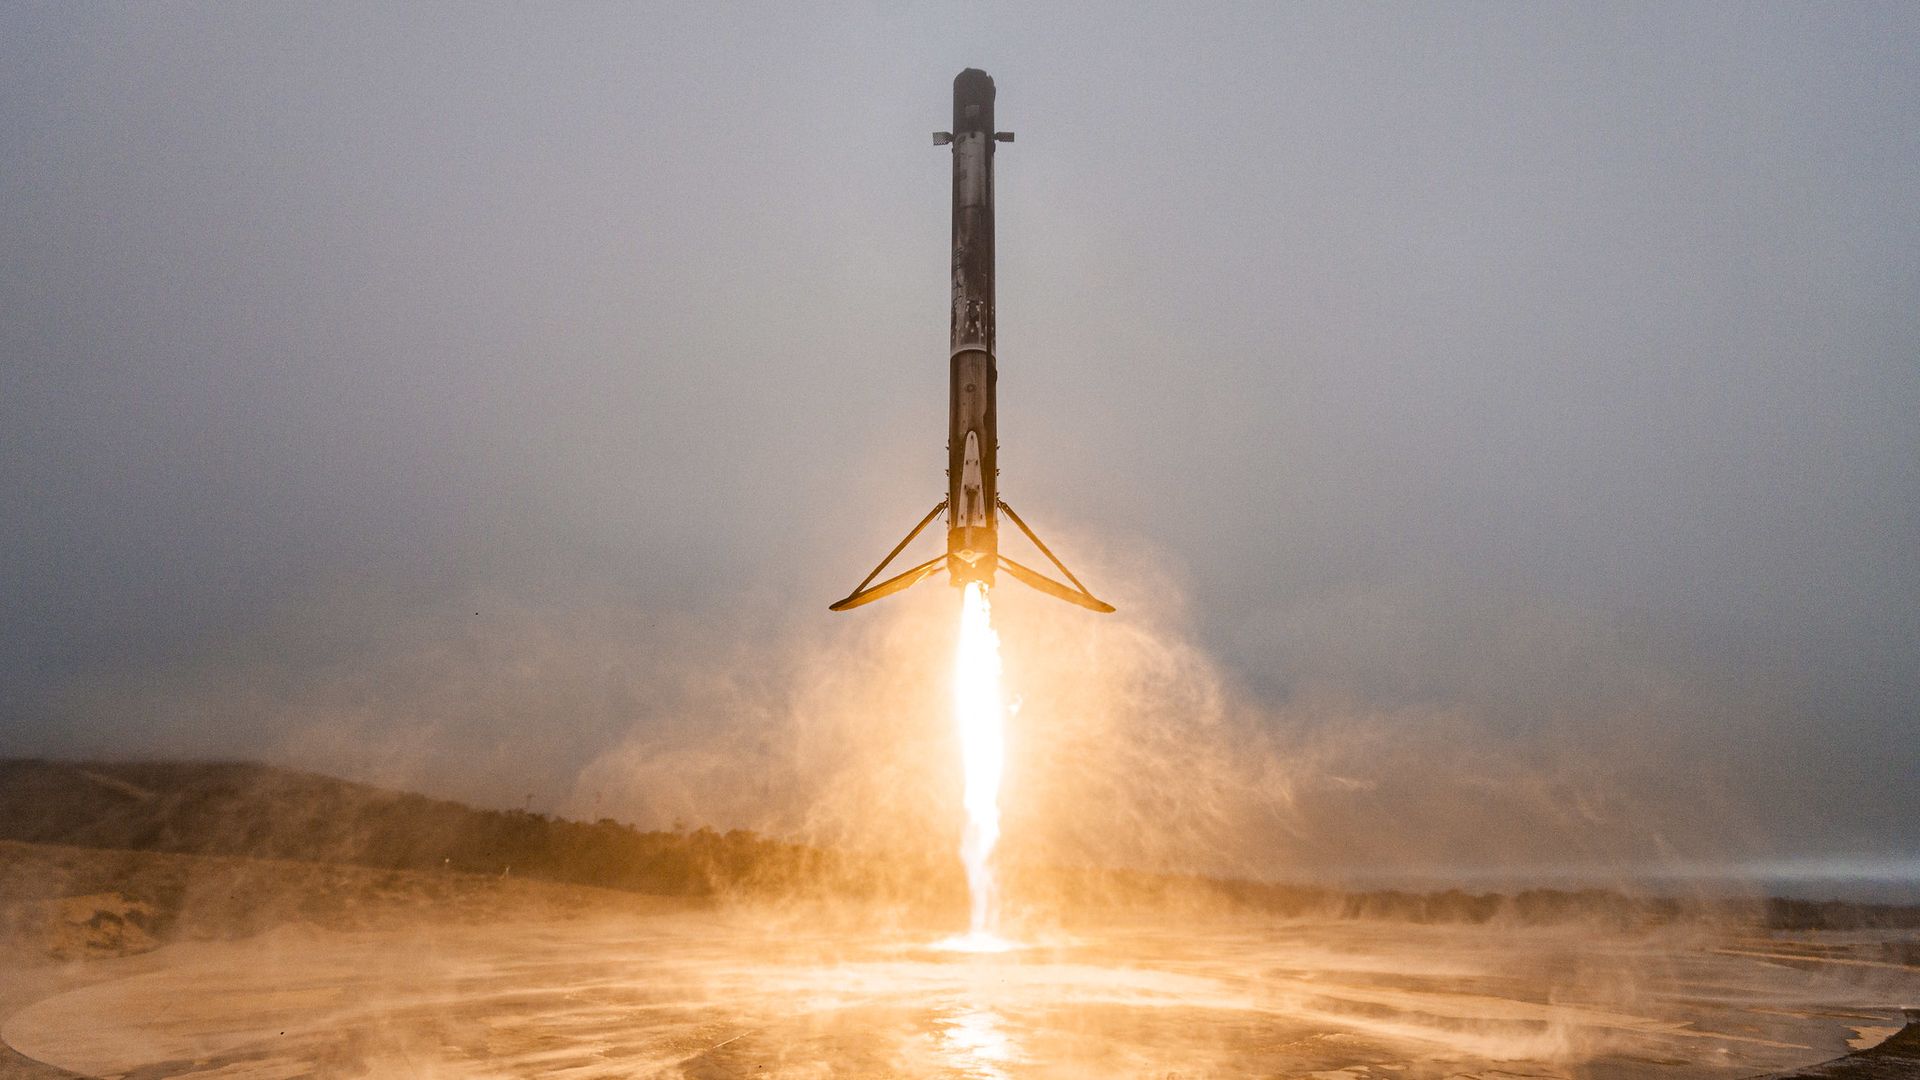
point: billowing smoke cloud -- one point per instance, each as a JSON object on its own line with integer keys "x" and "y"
{"x": 1131, "y": 746}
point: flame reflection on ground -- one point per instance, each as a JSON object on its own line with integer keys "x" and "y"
{"x": 975, "y": 1040}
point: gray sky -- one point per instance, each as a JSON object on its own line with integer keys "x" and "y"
{"x": 1551, "y": 367}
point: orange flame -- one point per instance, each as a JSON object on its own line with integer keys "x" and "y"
{"x": 980, "y": 713}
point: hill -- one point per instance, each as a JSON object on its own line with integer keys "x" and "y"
{"x": 259, "y": 811}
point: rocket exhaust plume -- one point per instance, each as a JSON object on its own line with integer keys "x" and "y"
{"x": 979, "y": 712}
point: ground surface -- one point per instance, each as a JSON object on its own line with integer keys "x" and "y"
{"x": 146, "y": 964}
{"x": 723, "y": 994}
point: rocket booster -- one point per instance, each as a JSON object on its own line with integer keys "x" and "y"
{"x": 973, "y": 505}
{"x": 972, "y": 442}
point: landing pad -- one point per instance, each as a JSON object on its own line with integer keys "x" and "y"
{"x": 708, "y": 994}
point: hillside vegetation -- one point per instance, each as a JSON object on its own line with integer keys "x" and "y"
{"x": 258, "y": 811}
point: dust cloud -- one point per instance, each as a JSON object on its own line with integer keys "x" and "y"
{"x": 1130, "y": 745}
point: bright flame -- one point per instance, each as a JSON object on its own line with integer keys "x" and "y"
{"x": 980, "y": 711}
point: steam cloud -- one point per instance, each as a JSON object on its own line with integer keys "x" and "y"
{"x": 1130, "y": 746}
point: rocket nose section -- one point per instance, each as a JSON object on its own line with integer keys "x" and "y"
{"x": 973, "y": 101}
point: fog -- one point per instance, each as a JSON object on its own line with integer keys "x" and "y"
{"x": 1495, "y": 425}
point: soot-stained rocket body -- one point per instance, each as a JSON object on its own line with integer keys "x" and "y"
{"x": 973, "y": 505}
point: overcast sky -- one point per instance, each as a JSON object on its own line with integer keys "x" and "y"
{"x": 1513, "y": 362}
